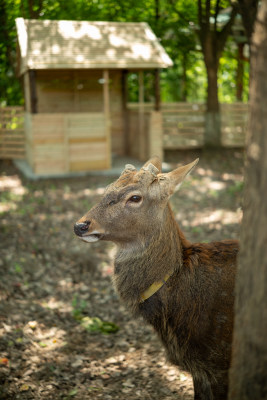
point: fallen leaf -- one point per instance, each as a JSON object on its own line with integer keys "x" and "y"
{"x": 96, "y": 325}
{"x": 32, "y": 324}
{"x": 4, "y": 361}
{"x": 24, "y": 388}
{"x": 73, "y": 392}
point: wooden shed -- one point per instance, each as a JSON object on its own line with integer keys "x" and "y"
{"x": 75, "y": 87}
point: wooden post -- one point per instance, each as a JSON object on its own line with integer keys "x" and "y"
{"x": 107, "y": 114}
{"x": 155, "y": 130}
{"x": 141, "y": 98}
{"x": 27, "y": 92}
{"x": 65, "y": 123}
{"x": 157, "y": 89}
{"x": 124, "y": 90}
{"x": 33, "y": 94}
{"x": 76, "y": 92}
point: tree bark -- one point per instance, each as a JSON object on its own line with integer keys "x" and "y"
{"x": 212, "y": 136}
{"x": 240, "y": 72}
{"x": 248, "y": 378}
{"x": 184, "y": 78}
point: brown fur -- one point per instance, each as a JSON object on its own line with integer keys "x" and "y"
{"x": 193, "y": 311}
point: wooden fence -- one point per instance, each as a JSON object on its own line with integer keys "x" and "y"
{"x": 184, "y": 124}
{"x": 12, "y": 137}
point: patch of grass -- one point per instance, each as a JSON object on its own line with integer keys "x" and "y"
{"x": 78, "y": 307}
{"x": 26, "y": 209}
{"x": 236, "y": 188}
{"x": 197, "y": 229}
{"x": 18, "y": 268}
{"x": 7, "y": 197}
{"x": 93, "y": 325}
{"x": 96, "y": 325}
{"x": 87, "y": 204}
{"x": 53, "y": 187}
{"x": 214, "y": 193}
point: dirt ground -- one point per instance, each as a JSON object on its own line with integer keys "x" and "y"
{"x": 52, "y": 286}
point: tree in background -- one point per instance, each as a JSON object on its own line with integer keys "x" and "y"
{"x": 9, "y": 87}
{"x": 213, "y": 39}
{"x": 179, "y": 39}
{"x": 248, "y": 377}
{"x": 248, "y": 10}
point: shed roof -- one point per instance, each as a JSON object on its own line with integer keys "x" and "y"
{"x": 50, "y": 44}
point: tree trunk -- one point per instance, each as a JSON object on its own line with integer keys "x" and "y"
{"x": 248, "y": 378}
{"x": 240, "y": 72}
{"x": 212, "y": 135}
{"x": 212, "y": 42}
{"x": 184, "y": 78}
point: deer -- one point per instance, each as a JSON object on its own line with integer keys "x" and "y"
{"x": 184, "y": 290}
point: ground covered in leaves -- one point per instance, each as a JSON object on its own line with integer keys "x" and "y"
{"x": 63, "y": 332}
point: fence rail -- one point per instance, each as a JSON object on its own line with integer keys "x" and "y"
{"x": 184, "y": 123}
{"x": 183, "y": 126}
{"x": 12, "y": 135}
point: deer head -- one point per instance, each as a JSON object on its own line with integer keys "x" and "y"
{"x": 133, "y": 206}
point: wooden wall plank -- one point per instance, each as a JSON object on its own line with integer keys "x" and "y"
{"x": 88, "y": 165}
{"x": 12, "y": 136}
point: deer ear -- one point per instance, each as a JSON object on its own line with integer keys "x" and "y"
{"x": 154, "y": 161}
{"x": 177, "y": 176}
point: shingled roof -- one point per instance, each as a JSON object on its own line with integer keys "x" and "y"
{"x": 49, "y": 44}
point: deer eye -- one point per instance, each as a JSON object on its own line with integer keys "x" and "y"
{"x": 135, "y": 199}
{"x": 112, "y": 202}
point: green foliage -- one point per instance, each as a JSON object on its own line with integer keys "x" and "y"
{"x": 93, "y": 325}
{"x": 236, "y": 188}
{"x": 10, "y": 87}
{"x": 78, "y": 307}
{"x": 18, "y": 268}
{"x": 96, "y": 325}
{"x": 227, "y": 74}
{"x": 174, "y": 22}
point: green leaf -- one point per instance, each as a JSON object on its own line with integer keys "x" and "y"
{"x": 73, "y": 392}
{"x": 96, "y": 325}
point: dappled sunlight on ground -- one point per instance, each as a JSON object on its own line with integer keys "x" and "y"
{"x": 13, "y": 184}
{"x": 11, "y": 191}
{"x": 214, "y": 218}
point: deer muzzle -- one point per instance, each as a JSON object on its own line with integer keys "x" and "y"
{"x": 87, "y": 231}
{"x": 80, "y": 228}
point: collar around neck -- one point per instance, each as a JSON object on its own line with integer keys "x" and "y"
{"x": 154, "y": 288}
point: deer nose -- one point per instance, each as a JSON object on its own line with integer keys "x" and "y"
{"x": 81, "y": 228}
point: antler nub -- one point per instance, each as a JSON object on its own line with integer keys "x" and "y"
{"x": 152, "y": 169}
{"x": 127, "y": 168}
{"x": 130, "y": 167}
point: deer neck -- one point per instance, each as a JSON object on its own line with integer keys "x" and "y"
{"x": 148, "y": 260}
